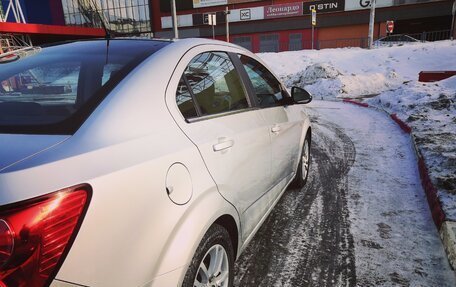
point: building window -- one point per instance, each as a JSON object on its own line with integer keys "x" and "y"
{"x": 269, "y": 43}
{"x": 295, "y": 42}
{"x": 244, "y": 41}
{"x": 123, "y": 16}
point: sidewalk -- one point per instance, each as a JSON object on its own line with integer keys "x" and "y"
{"x": 445, "y": 224}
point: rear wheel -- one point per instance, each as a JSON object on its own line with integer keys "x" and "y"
{"x": 212, "y": 264}
{"x": 304, "y": 164}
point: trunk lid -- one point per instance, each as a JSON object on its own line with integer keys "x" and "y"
{"x": 15, "y": 148}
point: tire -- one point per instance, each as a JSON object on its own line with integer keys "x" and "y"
{"x": 304, "y": 165}
{"x": 215, "y": 252}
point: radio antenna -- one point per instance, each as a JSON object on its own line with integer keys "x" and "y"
{"x": 102, "y": 21}
{"x": 89, "y": 10}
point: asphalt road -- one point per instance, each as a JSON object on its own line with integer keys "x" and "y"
{"x": 346, "y": 227}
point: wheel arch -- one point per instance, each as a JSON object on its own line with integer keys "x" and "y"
{"x": 228, "y": 222}
{"x": 309, "y": 134}
{"x": 203, "y": 212}
{"x": 306, "y": 132}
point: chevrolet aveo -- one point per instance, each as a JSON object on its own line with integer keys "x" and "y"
{"x": 140, "y": 162}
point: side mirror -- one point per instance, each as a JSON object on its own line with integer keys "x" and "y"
{"x": 300, "y": 95}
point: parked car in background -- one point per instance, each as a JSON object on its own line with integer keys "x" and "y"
{"x": 141, "y": 162}
{"x": 395, "y": 40}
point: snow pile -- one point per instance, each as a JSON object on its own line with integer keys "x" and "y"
{"x": 388, "y": 77}
{"x": 325, "y": 81}
{"x": 360, "y": 72}
{"x": 318, "y": 71}
{"x": 321, "y": 73}
{"x": 449, "y": 83}
{"x": 371, "y": 84}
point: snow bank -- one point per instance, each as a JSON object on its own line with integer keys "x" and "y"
{"x": 360, "y": 72}
{"x": 387, "y": 77}
{"x": 449, "y": 83}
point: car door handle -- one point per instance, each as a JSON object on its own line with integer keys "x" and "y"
{"x": 276, "y": 129}
{"x": 223, "y": 144}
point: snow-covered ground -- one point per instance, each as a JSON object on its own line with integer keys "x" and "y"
{"x": 396, "y": 242}
{"x": 387, "y": 78}
{"x": 362, "y": 218}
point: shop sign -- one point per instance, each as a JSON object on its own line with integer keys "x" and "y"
{"x": 182, "y": 21}
{"x": 366, "y": 4}
{"x": 244, "y": 14}
{"x": 208, "y": 3}
{"x": 283, "y": 10}
{"x": 241, "y": 1}
{"x": 323, "y": 6}
{"x": 203, "y": 18}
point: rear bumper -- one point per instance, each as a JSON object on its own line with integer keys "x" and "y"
{"x": 169, "y": 279}
{"x": 57, "y": 283}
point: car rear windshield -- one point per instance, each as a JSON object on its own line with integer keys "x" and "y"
{"x": 53, "y": 90}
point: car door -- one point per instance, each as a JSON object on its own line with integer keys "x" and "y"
{"x": 284, "y": 121}
{"x": 231, "y": 135}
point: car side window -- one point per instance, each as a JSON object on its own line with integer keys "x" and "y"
{"x": 266, "y": 87}
{"x": 185, "y": 100}
{"x": 214, "y": 84}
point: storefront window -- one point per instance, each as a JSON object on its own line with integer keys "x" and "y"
{"x": 295, "y": 42}
{"x": 243, "y": 41}
{"x": 269, "y": 43}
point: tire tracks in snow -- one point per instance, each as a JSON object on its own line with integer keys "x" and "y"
{"x": 306, "y": 239}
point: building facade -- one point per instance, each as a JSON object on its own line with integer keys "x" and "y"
{"x": 263, "y": 26}
{"x": 47, "y": 21}
{"x": 258, "y": 25}
{"x": 27, "y": 22}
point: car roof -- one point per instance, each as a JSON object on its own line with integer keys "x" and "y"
{"x": 185, "y": 43}
{"x": 190, "y": 42}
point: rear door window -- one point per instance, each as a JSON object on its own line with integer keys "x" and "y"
{"x": 214, "y": 85}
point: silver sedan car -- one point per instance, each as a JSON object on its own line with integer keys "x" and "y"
{"x": 141, "y": 162}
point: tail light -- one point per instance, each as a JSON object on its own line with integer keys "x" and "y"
{"x": 36, "y": 235}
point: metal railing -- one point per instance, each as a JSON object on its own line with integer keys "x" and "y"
{"x": 340, "y": 43}
{"x": 431, "y": 36}
{"x": 307, "y": 44}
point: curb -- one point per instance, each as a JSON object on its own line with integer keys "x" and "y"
{"x": 446, "y": 228}
{"x": 431, "y": 193}
{"x": 405, "y": 127}
{"x": 355, "y": 103}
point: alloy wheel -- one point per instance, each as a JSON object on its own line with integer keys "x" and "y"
{"x": 214, "y": 268}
